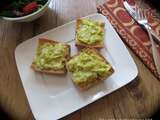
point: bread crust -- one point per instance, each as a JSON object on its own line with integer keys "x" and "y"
{"x": 51, "y": 71}
{"x": 83, "y": 45}
{"x": 87, "y": 85}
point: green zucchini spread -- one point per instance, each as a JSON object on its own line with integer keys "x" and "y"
{"x": 50, "y": 56}
{"x": 87, "y": 66}
{"x": 90, "y": 32}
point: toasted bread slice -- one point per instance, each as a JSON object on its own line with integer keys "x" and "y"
{"x": 96, "y": 45}
{"x": 63, "y": 70}
{"x": 91, "y": 82}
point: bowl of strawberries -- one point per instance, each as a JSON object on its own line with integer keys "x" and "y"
{"x": 22, "y": 10}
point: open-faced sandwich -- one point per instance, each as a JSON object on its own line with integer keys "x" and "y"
{"x": 88, "y": 67}
{"x": 89, "y": 33}
{"x": 51, "y": 57}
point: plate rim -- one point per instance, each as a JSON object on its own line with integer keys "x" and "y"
{"x": 91, "y": 101}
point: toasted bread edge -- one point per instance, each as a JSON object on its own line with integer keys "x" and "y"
{"x": 94, "y": 82}
{"x": 48, "y": 71}
{"x": 83, "y": 45}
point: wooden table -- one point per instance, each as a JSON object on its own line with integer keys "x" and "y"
{"x": 139, "y": 99}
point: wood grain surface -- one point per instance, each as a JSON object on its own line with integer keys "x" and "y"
{"x": 139, "y": 99}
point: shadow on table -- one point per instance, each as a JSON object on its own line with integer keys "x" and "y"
{"x": 135, "y": 88}
{"x": 4, "y": 115}
{"x": 156, "y": 115}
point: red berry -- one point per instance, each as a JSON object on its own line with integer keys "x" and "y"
{"x": 30, "y": 7}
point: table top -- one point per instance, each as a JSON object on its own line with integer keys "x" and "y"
{"x": 138, "y": 99}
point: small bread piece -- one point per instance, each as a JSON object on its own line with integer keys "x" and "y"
{"x": 80, "y": 67}
{"x": 43, "y": 41}
{"x": 99, "y": 44}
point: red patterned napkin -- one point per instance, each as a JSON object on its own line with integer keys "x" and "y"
{"x": 132, "y": 34}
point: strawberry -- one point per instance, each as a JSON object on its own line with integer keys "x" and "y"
{"x": 30, "y": 7}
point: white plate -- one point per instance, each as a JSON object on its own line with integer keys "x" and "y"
{"x": 52, "y": 97}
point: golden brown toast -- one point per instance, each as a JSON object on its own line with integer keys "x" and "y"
{"x": 91, "y": 83}
{"x": 80, "y": 44}
{"x": 51, "y": 71}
